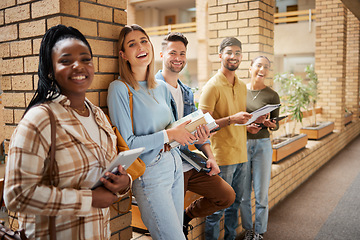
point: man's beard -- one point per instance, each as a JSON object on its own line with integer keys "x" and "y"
{"x": 231, "y": 68}
{"x": 175, "y": 70}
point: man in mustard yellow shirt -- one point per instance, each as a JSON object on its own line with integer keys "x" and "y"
{"x": 224, "y": 97}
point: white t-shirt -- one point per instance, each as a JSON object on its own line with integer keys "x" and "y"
{"x": 178, "y": 97}
{"x": 90, "y": 125}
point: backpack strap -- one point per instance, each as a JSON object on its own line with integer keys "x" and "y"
{"x": 52, "y": 224}
{"x": 130, "y": 104}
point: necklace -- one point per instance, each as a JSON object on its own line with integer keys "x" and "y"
{"x": 255, "y": 95}
{"x": 82, "y": 111}
{"x": 148, "y": 92}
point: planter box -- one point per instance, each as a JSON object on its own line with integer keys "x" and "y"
{"x": 348, "y": 118}
{"x": 323, "y": 129}
{"x": 288, "y": 146}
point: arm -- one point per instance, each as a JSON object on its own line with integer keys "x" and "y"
{"x": 116, "y": 186}
{"x": 25, "y": 189}
{"x": 273, "y": 125}
{"x": 211, "y": 162}
{"x": 240, "y": 118}
{"x": 120, "y": 115}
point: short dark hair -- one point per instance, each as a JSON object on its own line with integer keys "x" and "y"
{"x": 48, "y": 88}
{"x": 229, "y": 41}
{"x": 174, "y": 37}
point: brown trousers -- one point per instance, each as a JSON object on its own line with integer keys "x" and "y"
{"x": 216, "y": 193}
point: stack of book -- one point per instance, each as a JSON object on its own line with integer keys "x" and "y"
{"x": 197, "y": 118}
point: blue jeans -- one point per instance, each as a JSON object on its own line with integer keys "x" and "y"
{"x": 160, "y": 196}
{"x": 234, "y": 175}
{"x": 259, "y": 173}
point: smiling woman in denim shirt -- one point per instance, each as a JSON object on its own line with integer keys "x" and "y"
{"x": 159, "y": 192}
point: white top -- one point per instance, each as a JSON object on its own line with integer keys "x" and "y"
{"x": 178, "y": 97}
{"x": 90, "y": 125}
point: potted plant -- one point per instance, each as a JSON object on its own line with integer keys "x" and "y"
{"x": 348, "y": 116}
{"x": 294, "y": 97}
{"x": 316, "y": 130}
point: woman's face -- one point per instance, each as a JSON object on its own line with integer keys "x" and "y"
{"x": 73, "y": 66}
{"x": 137, "y": 49}
{"x": 259, "y": 70}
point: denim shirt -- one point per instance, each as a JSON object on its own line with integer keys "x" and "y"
{"x": 188, "y": 98}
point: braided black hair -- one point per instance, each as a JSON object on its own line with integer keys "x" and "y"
{"x": 48, "y": 88}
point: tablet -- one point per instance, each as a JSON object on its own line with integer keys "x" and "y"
{"x": 125, "y": 159}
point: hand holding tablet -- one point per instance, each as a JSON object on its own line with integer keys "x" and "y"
{"x": 125, "y": 159}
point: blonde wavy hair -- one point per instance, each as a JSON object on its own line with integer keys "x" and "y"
{"x": 125, "y": 71}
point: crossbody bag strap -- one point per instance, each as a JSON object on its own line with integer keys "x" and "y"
{"x": 130, "y": 104}
{"x": 52, "y": 225}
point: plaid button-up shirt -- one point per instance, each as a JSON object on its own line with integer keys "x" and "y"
{"x": 80, "y": 162}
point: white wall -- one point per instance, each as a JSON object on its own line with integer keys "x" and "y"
{"x": 294, "y": 47}
{"x": 294, "y": 38}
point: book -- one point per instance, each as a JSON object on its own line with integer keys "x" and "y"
{"x": 276, "y": 119}
{"x": 259, "y": 112}
{"x": 198, "y": 161}
{"x": 197, "y": 118}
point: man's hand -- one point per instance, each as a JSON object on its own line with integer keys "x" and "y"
{"x": 211, "y": 163}
{"x": 240, "y": 117}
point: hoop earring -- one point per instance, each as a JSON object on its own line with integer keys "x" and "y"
{"x": 50, "y": 76}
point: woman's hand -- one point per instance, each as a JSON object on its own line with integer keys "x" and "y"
{"x": 202, "y": 134}
{"x": 270, "y": 123}
{"x": 261, "y": 119}
{"x": 102, "y": 198}
{"x": 105, "y": 195}
{"x": 117, "y": 183}
{"x": 180, "y": 134}
{"x": 253, "y": 128}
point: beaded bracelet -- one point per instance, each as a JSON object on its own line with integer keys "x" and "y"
{"x": 125, "y": 191}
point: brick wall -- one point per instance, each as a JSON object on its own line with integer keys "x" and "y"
{"x": 330, "y": 58}
{"x": 353, "y": 65}
{"x": 22, "y": 25}
{"x": 252, "y": 22}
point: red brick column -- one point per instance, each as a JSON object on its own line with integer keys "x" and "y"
{"x": 330, "y": 58}
{"x": 252, "y": 22}
{"x": 22, "y": 25}
{"x": 353, "y": 65}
